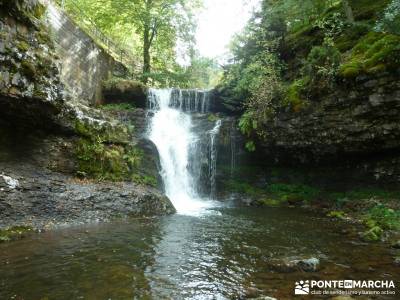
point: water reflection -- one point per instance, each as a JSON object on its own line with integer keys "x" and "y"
{"x": 224, "y": 254}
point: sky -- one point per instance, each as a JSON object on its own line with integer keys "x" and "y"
{"x": 218, "y": 22}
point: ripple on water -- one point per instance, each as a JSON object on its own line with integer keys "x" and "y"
{"x": 223, "y": 253}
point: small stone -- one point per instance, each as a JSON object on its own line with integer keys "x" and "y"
{"x": 397, "y": 261}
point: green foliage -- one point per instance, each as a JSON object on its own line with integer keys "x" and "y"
{"x": 390, "y": 19}
{"x": 106, "y": 162}
{"x": 373, "y": 234}
{"x": 295, "y": 92}
{"x": 212, "y": 118}
{"x": 123, "y": 84}
{"x": 117, "y": 106}
{"x": 244, "y": 188}
{"x": 13, "y": 233}
{"x": 338, "y": 214}
{"x": 145, "y": 180}
{"x": 250, "y": 146}
{"x": 384, "y": 217}
{"x": 374, "y": 53}
{"x": 247, "y": 123}
{"x": 104, "y": 153}
{"x": 322, "y": 65}
{"x": 350, "y": 35}
{"x": 293, "y": 192}
{"x": 151, "y": 29}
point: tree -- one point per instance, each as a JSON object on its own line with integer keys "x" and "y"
{"x": 161, "y": 22}
{"x": 151, "y": 27}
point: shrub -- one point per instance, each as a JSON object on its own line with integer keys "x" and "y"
{"x": 295, "y": 93}
{"x": 390, "y": 20}
{"x": 384, "y": 217}
{"x": 322, "y": 65}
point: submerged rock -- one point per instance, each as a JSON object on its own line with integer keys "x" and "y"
{"x": 289, "y": 266}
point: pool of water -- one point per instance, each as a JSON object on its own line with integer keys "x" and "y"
{"x": 221, "y": 254}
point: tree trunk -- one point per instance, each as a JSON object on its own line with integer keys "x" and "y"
{"x": 147, "y": 40}
{"x": 348, "y": 11}
{"x": 146, "y": 55}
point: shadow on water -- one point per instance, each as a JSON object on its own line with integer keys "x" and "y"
{"x": 223, "y": 254}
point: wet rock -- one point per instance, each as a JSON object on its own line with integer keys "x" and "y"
{"x": 335, "y": 130}
{"x": 289, "y": 266}
{"x": 397, "y": 261}
{"x": 396, "y": 245}
{"x": 46, "y": 199}
{"x": 309, "y": 265}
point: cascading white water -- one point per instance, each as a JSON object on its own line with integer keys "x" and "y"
{"x": 213, "y": 158}
{"x": 171, "y": 131}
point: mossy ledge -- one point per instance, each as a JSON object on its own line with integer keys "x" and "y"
{"x": 106, "y": 151}
{"x": 14, "y": 233}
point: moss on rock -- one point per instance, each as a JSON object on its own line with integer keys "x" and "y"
{"x": 14, "y": 233}
{"x": 374, "y": 53}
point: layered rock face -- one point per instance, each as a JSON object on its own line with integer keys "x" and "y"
{"x": 62, "y": 161}
{"x": 356, "y": 123}
{"x": 30, "y": 88}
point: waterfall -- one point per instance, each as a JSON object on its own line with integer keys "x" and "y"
{"x": 233, "y": 147}
{"x": 213, "y": 158}
{"x": 172, "y": 131}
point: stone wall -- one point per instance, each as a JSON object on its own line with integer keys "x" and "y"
{"x": 84, "y": 64}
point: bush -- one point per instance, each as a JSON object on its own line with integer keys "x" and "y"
{"x": 384, "y": 217}
{"x": 322, "y": 65}
{"x": 390, "y": 20}
{"x": 295, "y": 94}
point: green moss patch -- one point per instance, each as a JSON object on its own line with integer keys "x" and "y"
{"x": 117, "y": 106}
{"x": 295, "y": 94}
{"x": 374, "y": 53}
{"x": 106, "y": 132}
{"x": 14, "y": 233}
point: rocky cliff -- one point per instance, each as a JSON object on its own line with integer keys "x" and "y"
{"x": 336, "y": 101}
{"x": 358, "y": 123}
{"x": 61, "y": 161}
